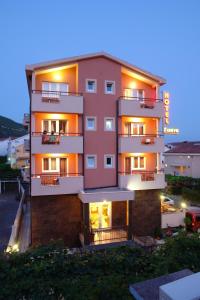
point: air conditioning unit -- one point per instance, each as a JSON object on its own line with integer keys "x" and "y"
{"x": 147, "y": 141}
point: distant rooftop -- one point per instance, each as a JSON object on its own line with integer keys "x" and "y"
{"x": 184, "y": 147}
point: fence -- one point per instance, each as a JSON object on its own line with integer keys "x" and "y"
{"x": 13, "y": 241}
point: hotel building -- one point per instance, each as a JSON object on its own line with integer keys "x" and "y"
{"x": 96, "y": 144}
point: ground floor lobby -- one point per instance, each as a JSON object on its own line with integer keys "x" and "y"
{"x": 66, "y": 217}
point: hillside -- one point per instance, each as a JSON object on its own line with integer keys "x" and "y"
{"x": 10, "y": 128}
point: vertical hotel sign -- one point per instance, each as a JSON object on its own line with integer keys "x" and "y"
{"x": 166, "y": 106}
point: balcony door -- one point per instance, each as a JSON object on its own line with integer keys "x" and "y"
{"x": 136, "y": 94}
{"x": 63, "y": 166}
{"x": 100, "y": 215}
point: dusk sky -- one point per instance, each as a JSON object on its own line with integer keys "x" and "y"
{"x": 162, "y": 37}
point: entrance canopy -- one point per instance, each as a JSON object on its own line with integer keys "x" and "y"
{"x": 106, "y": 194}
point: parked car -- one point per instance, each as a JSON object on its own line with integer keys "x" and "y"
{"x": 167, "y": 200}
{"x": 192, "y": 220}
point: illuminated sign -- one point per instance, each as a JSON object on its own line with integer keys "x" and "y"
{"x": 166, "y": 105}
{"x": 171, "y": 130}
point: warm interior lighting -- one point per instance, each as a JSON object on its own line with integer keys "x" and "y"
{"x": 132, "y": 85}
{"x": 57, "y": 76}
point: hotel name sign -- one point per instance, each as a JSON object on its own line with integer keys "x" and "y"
{"x": 166, "y": 106}
{"x": 166, "y": 116}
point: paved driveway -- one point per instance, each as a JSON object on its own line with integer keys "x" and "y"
{"x": 8, "y": 210}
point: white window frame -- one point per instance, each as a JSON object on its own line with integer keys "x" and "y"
{"x": 113, "y": 122}
{"x": 105, "y": 87}
{"x": 139, "y": 168}
{"x": 47, "y": 92}
{"x": 95, "y": 123}
{"x": 57, "y": 125}
{"x": 133, "y": 93}
{"x": 95, "y": 161}
{"x": 95, "y": 86}
{"x": 50, "y": 170}
{"x": 112, "y": 156}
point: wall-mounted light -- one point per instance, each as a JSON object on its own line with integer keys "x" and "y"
{"x": 57, "y": 76}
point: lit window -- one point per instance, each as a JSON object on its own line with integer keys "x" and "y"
{"x": 91, "y": 85}
{"x": 138, "y": 162}
{"x": 91, "y": 161}
{"x": 109, "y": 124}
{"x": 54, "y": 89}
{"x": 109, "y": 161}
{"x": 109, "y": 87}
{"x": 51, "y": 164}
{"x": 90, "y": 123}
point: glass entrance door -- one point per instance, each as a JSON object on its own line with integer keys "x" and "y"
{"x": 100, "y": 215}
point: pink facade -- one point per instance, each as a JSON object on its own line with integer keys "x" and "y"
{"x": 99, "y": 105}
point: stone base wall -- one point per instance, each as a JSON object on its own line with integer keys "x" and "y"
{"x": 56, "y": 217}
{"x": 146, "y": 212}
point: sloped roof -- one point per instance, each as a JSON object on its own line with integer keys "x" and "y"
{"x": 184, "y": 147}
{"x": 74, "y": 59}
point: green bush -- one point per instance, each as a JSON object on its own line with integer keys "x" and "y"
{"x": 52, "y": 272}
{"x": 192, "y": 195}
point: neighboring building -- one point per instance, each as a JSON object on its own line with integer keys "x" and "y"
{"x": 95, "y": 150}
{"x": 18, "y": 152}
{"x": 26, "y": 121}
{"x": 183, "y": 159}
{"x": 4, "y": 146}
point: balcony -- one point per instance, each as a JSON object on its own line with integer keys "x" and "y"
{"x": 56, "y": 184}
{"x": 141, "y": 143}
{"x": 142, "y": 180}
{"x": 56, "y": 143}
{"x": 56, "y": 102}
{"x": 143, "y": 107}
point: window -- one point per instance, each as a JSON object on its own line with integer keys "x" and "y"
{"x": 50, "y": 164}
{"x": 137, "y": 94}
{"x": 109, "y": 161}
{"x": 54, "y": 89}
{"x": 91, "y": 161}
{"x": 91, "y": 85}
{"x": 109, "y": 124}
{"x": 90, "y": 123}
{"x": 109, "y": 87}
{"x": 138, "y": 162}
{"x": 134, "y": 128}
{"x": 56, "y": 126}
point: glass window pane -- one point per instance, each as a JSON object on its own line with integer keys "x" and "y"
{"x": 46, "y": 125}
{"x": 53, "y": 126}
{"x": 91, "y": 85}
{"x": 53, "y": 163}
{"x": 91, "y": 123}
{"x": 46, "y": 164}
{"x": 141, "y": 162}
{"x": 136, "y": 162}
{"x": 91, "y": 162}
{"x": 141, "y": 129}
{"x": 109, "y": 124}
{"x": 63, "y": 126}
{"x": 109, "y": 161}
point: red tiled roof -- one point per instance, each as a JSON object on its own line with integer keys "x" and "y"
{"x": 184, "y": 147}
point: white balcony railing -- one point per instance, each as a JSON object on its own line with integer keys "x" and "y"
{"x": 142, "y": 180}
{"x": 56, "y": 184}
{"x": 56, "y": 102}
{"x": 130, "y": 106}
{"x": 56, "y": 143}
{"x": 140, "y": 144}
